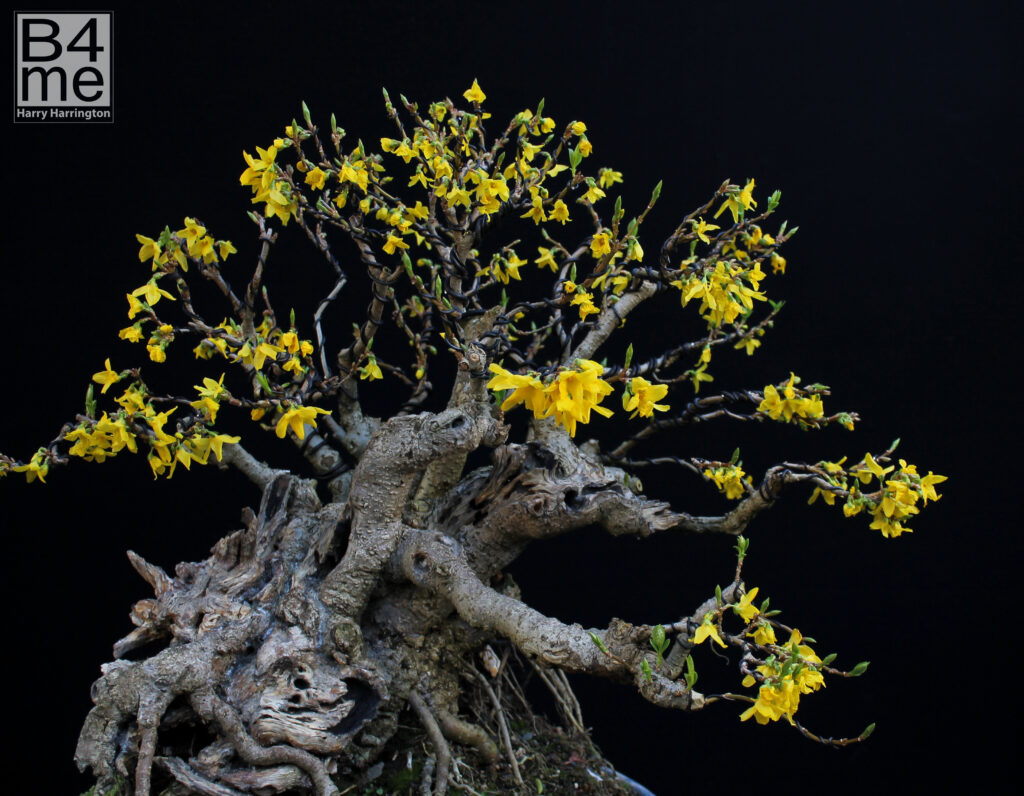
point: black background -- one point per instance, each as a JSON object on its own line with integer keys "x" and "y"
{"x": 893, "y": 131}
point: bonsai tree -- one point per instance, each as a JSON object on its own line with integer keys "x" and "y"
{"x": 368, "y": 591}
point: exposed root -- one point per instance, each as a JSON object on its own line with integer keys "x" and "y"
{"x": 558, "y": 684}
{"x": 468, "y": 734}
{"x": 443, "y": 752}
{"x": 209, "y": 706}
{"x": 502, "y": 724}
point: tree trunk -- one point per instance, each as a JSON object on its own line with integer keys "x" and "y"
{"x": 297, "y": 655}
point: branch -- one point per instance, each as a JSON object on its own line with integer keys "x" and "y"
{"x": 435, "y": 562}
{"x": 610, "y": 319}
{"x": 255, "y": 470}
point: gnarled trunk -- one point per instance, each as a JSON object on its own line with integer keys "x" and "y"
{"x": 290, "y": 653}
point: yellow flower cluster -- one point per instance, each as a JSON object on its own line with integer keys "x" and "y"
{"x": 167, "y": 248}
{"x": 569, "y": 397}
{"x": 729, "y": 479}
{"x": 453, "y": 171}
{"x": 891, "y": 503}
{"x": 271, "y": 344}
{"x": 264, "y": 177}
{"x": 98, "y": 440}
{"x": 785, "y": 679}
{"x": 789, "y": 404}
{"x": 726, "y": 291}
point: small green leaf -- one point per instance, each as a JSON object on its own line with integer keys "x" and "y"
{"x": 828, "y": 658}
{"x": 305, "y": 115}
{"x": 600, "y": 644}
{"x": 718, "y": 595}
{"x": 867, "y": 731}
{"x": 773, "y": 201}
{"x": 658, "y": 640}
{"x": 540, "y": 107}
{"x": 629, "y": 355}
{"x": 574, "y": 159}
{"x": 90, "y": 403}
{"x": 742, "y": 544}
{"x": 691, "y": 673}
{"x": 656, "y": 192}
{"x": 859, "y": 669}
{"x": 645, "y": 667}
{"x": 735, "y": 456}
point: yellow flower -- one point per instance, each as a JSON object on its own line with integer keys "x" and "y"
{"x": 151, "y": 292}
{"x": 873, "y": 469}
{"x": 536, "y": 211}
{"x": 774, "y": 701}
{"x": 640, "y": 397}
{"x": 38, "y": 467}
{"x": 297, "y": 418}
{"x": 371, "y": 370}
{"x": 707, "y": 630}
{"x": 393, "y": 243}
{"x": 698, "y": 375}
{"x": 527, "y": 390}
{"x": 778, "y": 263}
{"x": 224, "y": 248}
{"x": 600, "y": 245}
{"x": 316, "y": 179}
{"x": 763, "y": 634}
{"x": 738, "y": 201}
{"x": 729, "y": 480}
{"x": 192, "y": 232}
{"x": 134, "y": 306}
{"x": 574, "y": 393}
{"x": 217, "y": 441}
{"x": 474, "y": 93}
{"x": 928, "y": 486}
{"x": 150, "y": 248}
{"x": 547, "y": 259}
{"x": 608, "y": 177}
{"x": 357, "y": 173}
{"x": 578, "y": 128}
{"x": 560, "y": 212}
{"x": 131, "y": 333}
{"x": 585, "y": 302}
{"x": 106, "y": 377}
{"x": 745, "y": 607}
{"x": 749, "y": 343}
{"x": 701, "y": 229}
{"x": 263, "y": 351}
{"x": 593, "y": 194}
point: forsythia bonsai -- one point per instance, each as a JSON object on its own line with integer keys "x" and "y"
{"x": 372, "y": 583}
